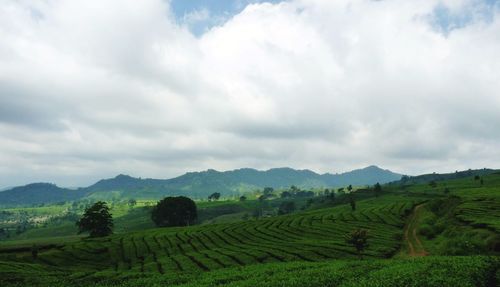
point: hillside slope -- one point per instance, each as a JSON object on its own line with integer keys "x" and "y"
{"x": 196, "y": 184}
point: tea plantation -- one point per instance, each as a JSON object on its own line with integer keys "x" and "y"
{"x": 305, "y": 248}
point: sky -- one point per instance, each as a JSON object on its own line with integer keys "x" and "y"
{"x": 156, "y": 88}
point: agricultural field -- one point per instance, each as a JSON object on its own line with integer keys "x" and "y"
{"x": 412, "y": 230}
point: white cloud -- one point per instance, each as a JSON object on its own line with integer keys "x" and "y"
{"x": 91, "y": 89}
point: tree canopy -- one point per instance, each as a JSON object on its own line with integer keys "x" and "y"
{"x": 359, "y": 239}
{"x": 286, "y": 207}
{"x": 174, "y": 211}
{"x": 96, "y": 220}
{"x": 378, "y": 189}
{"x": 214, "y": 196}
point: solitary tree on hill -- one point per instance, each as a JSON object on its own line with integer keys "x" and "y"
{"x": 243, "y": 198}
{"x": 349, "y": 188}
{"x": 174, "y": 211}
{"x": 34, "y": 251}
{"x": 96, "y": 220}
{"x": 132, "y": 202}
{"x": 214, "y": 196}
{"x": 378, "y": 189}
{"x": 352, "y": 202}
{"x": 359, "y": 239}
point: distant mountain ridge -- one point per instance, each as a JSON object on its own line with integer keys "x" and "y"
{"x": 196, "y": 184}
{"x": 35, "y": 193}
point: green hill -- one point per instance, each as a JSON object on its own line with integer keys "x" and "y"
{"x": 195, "y": 185}
{"x": 37, "y": 193}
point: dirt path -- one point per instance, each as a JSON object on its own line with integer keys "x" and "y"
{"x": 415, "y": 247}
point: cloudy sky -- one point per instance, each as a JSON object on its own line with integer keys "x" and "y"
{"x": 156, "y": 88}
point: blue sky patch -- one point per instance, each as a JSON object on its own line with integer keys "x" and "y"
{"x": 201, "y": 15}
{"x": 446, "y": 20}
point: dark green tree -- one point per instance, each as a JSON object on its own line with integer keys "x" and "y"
{"x": 214, "y": 196}
{"x": 377, "y": 189}
{"x": 268, "y": 190}
{"x": 349, "y": 188}
{"x": 286, "y": 207}
{"x": 174, "y": 211}
{"x": 96, "y": 220}
{"x": 332, "y": 195}
{"x": 34, "y": 251}
{"x": 359, "y": 239}
{"x": 132, "y": 202}
{"x": 352, "y": 202}
{"x": 243, "y": 198}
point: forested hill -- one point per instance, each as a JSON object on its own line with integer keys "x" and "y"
{"x": 36, "y": 193}
{"x": 197, "y": 184}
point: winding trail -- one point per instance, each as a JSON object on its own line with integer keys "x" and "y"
{"x": 415, "y": 247}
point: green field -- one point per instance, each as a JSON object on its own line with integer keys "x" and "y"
{"x": 305, "y": 248}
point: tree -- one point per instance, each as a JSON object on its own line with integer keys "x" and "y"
{"x": 378, "y": 189}
{"x": 349, "y": 188}
{"x": 286, "y": 207}
{"x": 286, "y": 194}
{"x": 359, "y": 239}
{"x": 132, "y": 202}
{"x": 309, "y": 202}
{"x": 174, "y": 211}
{"x": 352, "y": 202}
{"x": 481, "y": 181}
{"x": 257, "y": 212}
{"x": 34, "y": 251}
{"x": 268, "y": 190}
{"x": 243, "y": 198}
{"x": 332, "y": 195}
{"x": 405, "y": 178}
{"x": 96, "y": 220}
{"x": 214, "y": 196}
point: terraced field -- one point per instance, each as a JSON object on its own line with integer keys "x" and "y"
{"x": 309, "y": 236}
{"x": 306, "y": 248}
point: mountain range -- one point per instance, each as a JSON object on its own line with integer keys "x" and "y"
{"x": 195, "y": 184}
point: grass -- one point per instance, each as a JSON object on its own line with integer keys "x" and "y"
{"x": 305, "y": 248}
{"x": 425, "y": 271}
{"x": 316, "y": 235}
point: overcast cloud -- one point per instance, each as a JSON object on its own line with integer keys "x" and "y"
{"x": 90, "y": 89}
